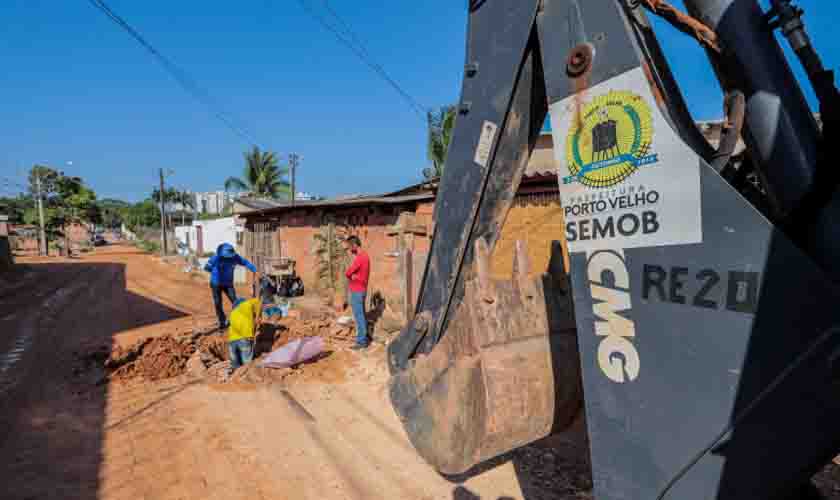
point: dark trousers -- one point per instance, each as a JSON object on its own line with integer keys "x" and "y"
{"x": 217, "y": 300}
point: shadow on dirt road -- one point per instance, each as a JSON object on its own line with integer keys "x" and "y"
{"x": 53, "y": 407}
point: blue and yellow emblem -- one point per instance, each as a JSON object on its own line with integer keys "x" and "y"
{"x": 609, "y": 140}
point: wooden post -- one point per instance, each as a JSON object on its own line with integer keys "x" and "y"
{"x": 407, "y": 284}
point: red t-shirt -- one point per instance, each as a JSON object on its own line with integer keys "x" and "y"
{"x": 358, "y": 272}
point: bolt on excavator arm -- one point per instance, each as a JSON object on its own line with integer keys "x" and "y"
{"x": 700, "y": 339}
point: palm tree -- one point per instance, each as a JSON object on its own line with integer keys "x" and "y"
{"x": 263, "y": 176}
{"x": 440, "y": 125}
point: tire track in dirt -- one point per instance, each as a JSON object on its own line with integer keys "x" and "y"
{"x": 29, "y": 330}
{"x": 14, "y": 305}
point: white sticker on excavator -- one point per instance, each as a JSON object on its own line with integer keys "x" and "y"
{"x": 626, "y": 178}
{"x": 485, "y": 142}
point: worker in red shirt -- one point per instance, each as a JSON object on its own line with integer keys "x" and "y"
{"x": 358, "y": 274}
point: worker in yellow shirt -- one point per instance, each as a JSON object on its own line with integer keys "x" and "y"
{"x": 245, "y": 319}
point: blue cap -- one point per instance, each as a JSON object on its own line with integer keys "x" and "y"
{"x": 227, "y": 251}
{"x": 238, "y": 301}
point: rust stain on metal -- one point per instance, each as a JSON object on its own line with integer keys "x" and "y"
{"x": 579, "y": 68}
{"x": 685, "y": 23}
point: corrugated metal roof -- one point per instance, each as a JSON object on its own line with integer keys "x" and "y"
{"x": 258, "y": 203}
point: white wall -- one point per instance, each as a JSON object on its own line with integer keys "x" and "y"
{"x": 186, "y": 235}
{"x": 214, "y": 233}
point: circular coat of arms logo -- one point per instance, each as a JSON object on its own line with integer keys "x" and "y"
{"x": 609, "y": 140}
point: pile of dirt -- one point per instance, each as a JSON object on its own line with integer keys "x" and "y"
{"x": 203, "y": 354}
{"x": 152, "y": 359}
{"x": 214, "y": 347}
{"x": 329, "y": 330}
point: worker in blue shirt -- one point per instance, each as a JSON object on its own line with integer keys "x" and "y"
{"x": 221, "y": 267}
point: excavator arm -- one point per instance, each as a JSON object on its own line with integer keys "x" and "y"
{"x": 693, "y": 320}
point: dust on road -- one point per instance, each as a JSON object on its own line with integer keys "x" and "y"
{"x": 67, "y": 430}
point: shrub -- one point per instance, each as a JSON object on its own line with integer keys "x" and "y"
{"x": 148, "y": 246}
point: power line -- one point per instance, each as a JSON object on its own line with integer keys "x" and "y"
{"x": 348, "y": 30}
{"x": 362, "y": 53}
{"x": 180, "y": 76}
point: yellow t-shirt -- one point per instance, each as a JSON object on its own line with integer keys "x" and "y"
{"x": 242, "y": 320}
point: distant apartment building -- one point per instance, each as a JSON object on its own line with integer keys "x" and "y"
{"x": 212, "y": 202}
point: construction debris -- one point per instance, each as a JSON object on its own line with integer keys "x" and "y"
{"x": 203, "y": 354}
{"x": 293, "y": 353}
{"x": 196, "y": 366}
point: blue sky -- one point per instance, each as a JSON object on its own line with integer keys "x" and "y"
{"x": 75, "y": 88}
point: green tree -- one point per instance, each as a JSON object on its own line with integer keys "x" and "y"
{"x": 143, "y": 214}
{"x": 112, "y": 211}
{"x": 332, "y": 259}
{"x": 263, "y": 176}
{"x": 66, "y": 201}
{"x": 440, "y": 125}
{"x": 187, "y": 200}
{"x": 49, "y": 179}
{"x": 15, "y": 207}
{"x": 172, "y": 196}
{"x": 53, "y": 223}
{"x": 187, "y": 203}
{"x": 75, "y": 203}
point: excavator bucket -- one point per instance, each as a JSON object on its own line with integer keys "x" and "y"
{"x": 505, "y": 374}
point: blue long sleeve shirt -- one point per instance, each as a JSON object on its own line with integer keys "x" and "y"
{"x": 221, "y": 269}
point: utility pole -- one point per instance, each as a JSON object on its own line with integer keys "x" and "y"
{"x": 183, "y": 195}
{"x": 163, "y": 251}
{"x": 44, "y": 249}
{"x": 294, "y": 160}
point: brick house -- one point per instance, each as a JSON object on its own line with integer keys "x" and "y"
{"x": 390, "y": 226}
{"x": 396, "y": 229}
{"x": 24, "y": 238}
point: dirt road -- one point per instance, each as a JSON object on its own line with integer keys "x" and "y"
{"x": 68, "y": 432}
